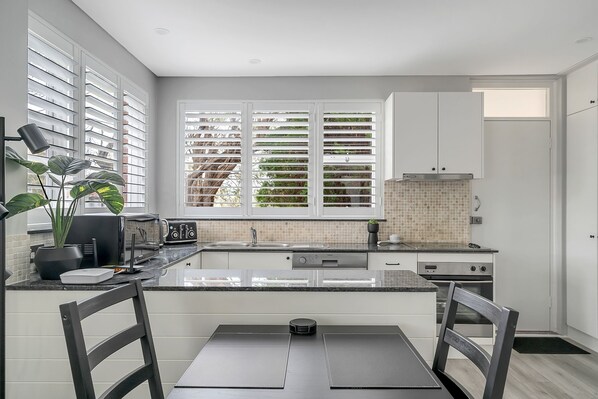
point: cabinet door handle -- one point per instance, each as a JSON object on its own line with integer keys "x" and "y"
{"x": 188, "y": 264}
{"x": 392, "y": 264}
{"x": 592, "y": 101}
{"x": 443, "y": 168}
{"x": 288, "y": 258}
{"x": 433, "y": 168}
{"x": 592, "y": 236}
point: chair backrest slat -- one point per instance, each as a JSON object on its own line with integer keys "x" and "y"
{"x": 127, "y": 383}
{"x": 495, "y": 367}
{"x": 470, "y": 349}
{"x": 103, "y": 301}
{"x": 114, "y": 343}
{"x": 481, "y": 305}
{"x": 83, "y": 361}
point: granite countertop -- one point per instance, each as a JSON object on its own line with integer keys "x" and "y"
{"x": 258, "y": 280}
{"x": 359, "y": 247}
{"x": 157, "y": 276}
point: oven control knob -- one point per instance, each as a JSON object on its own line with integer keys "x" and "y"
{"x": 473, "y": 268}
{"x": 483, "y": 268}
{"x": 302, "y": 260}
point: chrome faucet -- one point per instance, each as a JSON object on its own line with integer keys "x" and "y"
{"x": 253, "y": 236}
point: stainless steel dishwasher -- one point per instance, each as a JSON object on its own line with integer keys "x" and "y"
{"x": 330, "y": 260}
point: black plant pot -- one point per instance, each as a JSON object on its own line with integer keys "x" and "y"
{"x": 51, "y": 262}
{"x": 373, "y": 236}
{"x": 373, "y": 228}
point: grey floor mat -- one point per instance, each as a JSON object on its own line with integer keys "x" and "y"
{"x": 231, "y": 360}
{"x": 374, "y": 361}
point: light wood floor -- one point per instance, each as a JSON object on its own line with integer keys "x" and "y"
{"x": 537, "y": 376}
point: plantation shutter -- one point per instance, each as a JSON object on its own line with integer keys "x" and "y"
{"x": 212, "y": 158}
{"x": 134, "y": 150}
{"x": 280, "y": 158}
{"x": 102, "y": 138}
{"x": 350, "y": 167}
{"x": 52, "y": 100}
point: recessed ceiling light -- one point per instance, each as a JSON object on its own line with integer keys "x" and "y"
{"x": 584, "y": 40}
{"x": 161, "y": 31}
{"x": 255, "y": 61}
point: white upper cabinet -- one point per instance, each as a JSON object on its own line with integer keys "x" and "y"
{"x": 431, "y": 133}
{"x": 460, "y": 131}
{"x": 582, "y": 88}
{"x": 415, "y": 136}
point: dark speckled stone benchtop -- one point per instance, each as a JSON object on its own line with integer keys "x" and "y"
{"x": 157, "y": 276}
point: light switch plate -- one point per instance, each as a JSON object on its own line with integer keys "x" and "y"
{"x": 475, "y": 220}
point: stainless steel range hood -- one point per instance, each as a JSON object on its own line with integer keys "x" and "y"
{"x": 435, "y": 176}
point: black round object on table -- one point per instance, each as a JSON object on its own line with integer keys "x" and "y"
{"x": 303, "y": 326}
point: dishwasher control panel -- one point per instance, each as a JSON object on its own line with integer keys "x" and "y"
{"x": 330, "y": 260}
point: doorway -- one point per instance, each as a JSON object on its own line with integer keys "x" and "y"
{"x": 515, "y": 203}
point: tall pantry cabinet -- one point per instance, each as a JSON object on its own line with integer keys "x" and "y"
{"x": 582, "y": 200}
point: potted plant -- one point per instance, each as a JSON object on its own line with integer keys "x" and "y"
{"x": 373, "y": 228}
{"x": 55, "y": 260}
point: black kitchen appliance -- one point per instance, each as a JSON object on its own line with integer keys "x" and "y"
{"x": 179, "y": 231}
{"x": 113, "y": 238}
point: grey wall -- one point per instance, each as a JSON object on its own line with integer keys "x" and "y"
{"x": 65, "y": 16}
{"x": 171, "y": 90}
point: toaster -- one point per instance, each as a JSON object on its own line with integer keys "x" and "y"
{"x": 179, "y": 231}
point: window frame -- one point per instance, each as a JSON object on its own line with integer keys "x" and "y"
{"x": 315, "y": 209}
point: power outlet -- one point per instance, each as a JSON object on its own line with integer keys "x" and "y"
{"x": 475, "y": 220}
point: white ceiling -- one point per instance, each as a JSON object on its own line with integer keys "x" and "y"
{"x": 351, "y": 37}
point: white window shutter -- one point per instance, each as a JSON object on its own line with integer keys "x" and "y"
{"x": 212, "y": 159}
{"x": 134, "y": 150}
{"x": 280, "y": 159}
{"x": 350, "y": 161}
{"x": 102, "y": 126}
{"x": 52, "y": 102}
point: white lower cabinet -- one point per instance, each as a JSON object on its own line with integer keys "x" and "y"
{"x": 192, "y": 262}
{"x": 392, "y": 261}
{"x": 260, "y": 260}
{"x": 214, "y": 260}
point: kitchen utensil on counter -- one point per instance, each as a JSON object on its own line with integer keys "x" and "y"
{"x": 179, "y": 231}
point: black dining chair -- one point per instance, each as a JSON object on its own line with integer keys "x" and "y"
{"x": 83, "y": 361}
{"x": 493, "y": 367}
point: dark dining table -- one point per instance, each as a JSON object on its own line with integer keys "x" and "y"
{"x": 349, "y": 362}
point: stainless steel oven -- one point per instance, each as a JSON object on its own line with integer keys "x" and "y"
{"x": 475, "y": 277}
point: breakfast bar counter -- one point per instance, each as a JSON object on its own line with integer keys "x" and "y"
{"x": 186, "y": 306}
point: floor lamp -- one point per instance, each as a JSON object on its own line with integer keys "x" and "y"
{"x": 35, "y": 141}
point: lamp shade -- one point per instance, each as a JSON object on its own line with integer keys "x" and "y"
{"x": 3, "y": 211}
{"x": 33, "y": 138}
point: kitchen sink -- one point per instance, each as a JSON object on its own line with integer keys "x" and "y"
{"x": 228, "y": 244}
{"x": 260, "y": 245}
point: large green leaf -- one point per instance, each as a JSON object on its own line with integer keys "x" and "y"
{"x": 108, "y": 193}
{"x": 36, "y": 167}
{"x": 24, "y": 202}
{"x": 63, "y": 165}
{"x": 102, "y": 176}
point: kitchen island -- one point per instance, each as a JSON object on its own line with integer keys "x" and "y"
{"x": 185, "y": 308}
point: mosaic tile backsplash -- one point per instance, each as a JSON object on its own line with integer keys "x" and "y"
{"x": 417, "y": 211}
{"x": 18, "y": 254}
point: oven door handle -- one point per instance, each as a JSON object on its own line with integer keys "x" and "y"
{"x": 461, "y": 281}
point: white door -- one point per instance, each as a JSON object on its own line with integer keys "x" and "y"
{"x": 460, "y": 133}
{"x": 515, "y": 206}
{"x": 581, "y": 230}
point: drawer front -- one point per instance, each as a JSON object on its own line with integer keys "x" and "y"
{"x": 392, "y": 261}
{"x": 214, "y": 260}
